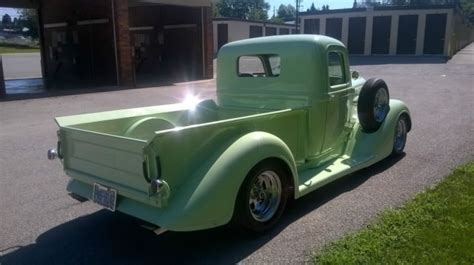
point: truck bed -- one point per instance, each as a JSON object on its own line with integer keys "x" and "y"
{"x": 117, "y": 148}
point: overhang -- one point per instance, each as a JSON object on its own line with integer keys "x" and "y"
{"x": 19, "y": 3}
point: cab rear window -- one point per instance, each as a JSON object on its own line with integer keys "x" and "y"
{"x": 263, "y": 65}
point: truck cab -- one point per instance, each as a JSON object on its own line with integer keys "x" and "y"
{"x": 307, "y": 72}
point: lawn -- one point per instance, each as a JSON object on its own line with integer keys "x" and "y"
{"x": 9, "y": 48}
{"x": 436, "y": 227}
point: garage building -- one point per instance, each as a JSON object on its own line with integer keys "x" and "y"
{"x": 403, "y": 30}
{"x": 233, "y": 29}
{"x": 122, "y": 42}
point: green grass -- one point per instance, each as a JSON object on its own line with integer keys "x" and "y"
{"x": 10, "y": 48}
{"x": 436, "y": 227}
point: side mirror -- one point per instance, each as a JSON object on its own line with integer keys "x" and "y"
{"x": 355, "y": 74}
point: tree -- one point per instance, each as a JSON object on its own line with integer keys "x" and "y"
{"x": 354, "y": 5}
{"x": 325, "y": 7}
{"x": 215, "y": 11}
{"x": 467, "y": 7}
{"x": 27, "y": 18}
{"x": 6, "y": 20}
{"x": 312, "y": 8}
{"x": 243, "y": 9}
{"x": 286, "y": 13}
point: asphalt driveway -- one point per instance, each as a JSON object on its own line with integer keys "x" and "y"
{"x": 40, "y": 224}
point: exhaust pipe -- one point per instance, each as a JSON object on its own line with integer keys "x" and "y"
{"x": 159, "y": 231}
{"x": 156, "y": 229}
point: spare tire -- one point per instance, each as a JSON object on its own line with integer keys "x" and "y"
{"x": 373, "y": 104}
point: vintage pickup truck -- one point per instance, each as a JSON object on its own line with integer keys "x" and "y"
{"x": 289, "y": 118}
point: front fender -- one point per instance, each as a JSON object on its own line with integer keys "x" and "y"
{"x": 373, "y": 147}
{"x": 208, "y": 201}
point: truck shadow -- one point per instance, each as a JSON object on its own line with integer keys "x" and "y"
{"x": 105, "y": 238}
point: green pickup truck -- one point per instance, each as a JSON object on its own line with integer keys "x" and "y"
{"x": 289, "y": 118}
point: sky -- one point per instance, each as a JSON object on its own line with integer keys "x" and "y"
{"x": 10, "y": 11}
{"x": 333, "y": 4}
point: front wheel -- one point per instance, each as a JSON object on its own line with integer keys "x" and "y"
{"x": 262, "y": 197}
{"x": 400, "y": 138}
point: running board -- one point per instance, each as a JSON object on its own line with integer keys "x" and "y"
{"x": 315, "y": 178}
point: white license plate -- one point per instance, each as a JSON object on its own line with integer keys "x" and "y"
{"x": 104, "y": 196}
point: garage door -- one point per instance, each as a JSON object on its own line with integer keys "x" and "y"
{"x": 381, "y": 34}
{"x": 334, "y": 28}
{"x": 222, "y": 35}
{"x": 407, "y": 30}
{"x": 311, "y": 26}
{"x": 270, "y": 31}
{"x": 356, "y": 35}
{"x": 255, "y": 31}
{"x": 434, "y": 34}
{"x": 182, "y": 51}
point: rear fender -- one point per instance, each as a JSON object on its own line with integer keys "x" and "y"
{"x": 206, "y": 202}
{"x": 376, "y": 146}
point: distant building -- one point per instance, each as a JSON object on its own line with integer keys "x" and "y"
{"x": 232, "y": 29}
{"x": 403, "y": 30}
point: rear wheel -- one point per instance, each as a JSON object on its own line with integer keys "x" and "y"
{"x": 262, "y": 197}
{"x": 400, "y": 138}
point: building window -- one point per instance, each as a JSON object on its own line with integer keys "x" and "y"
{"x": 255, "y": 31}
{"x": 262, "y": 65}
{"x": 336, "y": 71}
{"x": 270, "y": 31}
{"x": 294, "y": 31}
{"x": 284, "y": 31}
{"x": 311, "y": 26}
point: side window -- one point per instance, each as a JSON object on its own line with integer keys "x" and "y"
{"x": 337, "y": 73}
{"x": 274, "y": 61}
{"x": 264, "y": 65}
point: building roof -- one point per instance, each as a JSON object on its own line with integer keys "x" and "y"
{"x": 377, "y": 8}
{"x": 252, "y": 21}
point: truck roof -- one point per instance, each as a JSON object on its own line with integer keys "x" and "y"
{"x": 282, "y": 42}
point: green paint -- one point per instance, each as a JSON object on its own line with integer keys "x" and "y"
{"x": 204, "y": 154}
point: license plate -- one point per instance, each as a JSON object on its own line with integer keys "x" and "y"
{"x": 104, "y": 196}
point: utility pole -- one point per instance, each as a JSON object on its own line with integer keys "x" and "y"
{"x": 298, "y": 2}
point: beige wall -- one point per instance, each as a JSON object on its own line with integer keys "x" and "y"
{"x": 369, "y": 14}
{"x": 239, "y": 30}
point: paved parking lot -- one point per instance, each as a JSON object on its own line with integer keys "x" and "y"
{"x": 22, "y": 65}
{"x": 40, "y": 224}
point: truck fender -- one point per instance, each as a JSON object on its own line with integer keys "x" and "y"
{"x": 380, "y": 143}
{"x": 209, "y": 201}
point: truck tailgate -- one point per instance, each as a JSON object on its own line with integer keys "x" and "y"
{"x": 106, "y": 159}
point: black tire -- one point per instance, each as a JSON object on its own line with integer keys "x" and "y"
{"x": 400, "y": 136}
{"x": 244, "y": 217}
{"x": 373, "y": 93}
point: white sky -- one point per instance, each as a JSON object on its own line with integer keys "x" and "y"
{"x": 333, "y": 4}
{"x": 10, "y": 11}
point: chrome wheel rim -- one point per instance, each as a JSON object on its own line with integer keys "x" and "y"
{"x": 381, "y": 105}
{"x": 400, "y": 135}
{"x": 265, "y": 196}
